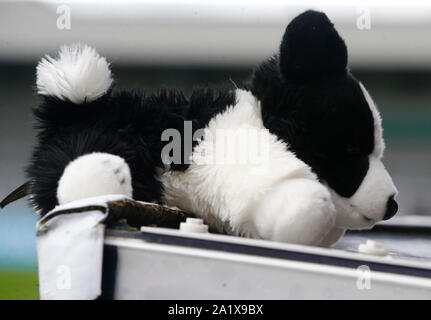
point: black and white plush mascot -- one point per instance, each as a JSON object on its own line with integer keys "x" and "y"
{"x": 295, "y": 156}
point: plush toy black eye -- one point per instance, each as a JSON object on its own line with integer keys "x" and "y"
{"x": 353, "y": 150}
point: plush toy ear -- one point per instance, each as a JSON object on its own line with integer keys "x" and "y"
{"x": 312, "y": 49}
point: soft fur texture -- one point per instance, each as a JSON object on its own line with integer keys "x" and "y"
{"x": 328, "y": 119}
{"x": 270, "y": 194}
{"x": 125, "y": 124}
{"x": 94, "y": 174}
{"x": 370, "y": 201}
{"x": 128, "y": 124}
{"x": 296, "y": 157}
{"x": 379, "y": 143}
{"x": 79, "y": 74}
{"x": 312, "y": 49}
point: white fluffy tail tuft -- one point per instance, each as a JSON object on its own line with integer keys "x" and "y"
{"x": 78, "y": 74}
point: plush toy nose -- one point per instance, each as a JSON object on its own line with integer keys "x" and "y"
{"x": 391, "y": 208}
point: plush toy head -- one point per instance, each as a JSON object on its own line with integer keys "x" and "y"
{"x": 311, "y": 101}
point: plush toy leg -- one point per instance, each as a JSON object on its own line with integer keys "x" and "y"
{"x": 296, "y": 211}
{"x": 93, "y": 175}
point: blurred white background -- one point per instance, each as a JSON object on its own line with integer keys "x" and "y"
{"x": 220, "y": 32}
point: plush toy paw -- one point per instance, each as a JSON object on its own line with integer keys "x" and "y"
{"x": 93, "y": 175}
{"x": 296, "y": 211}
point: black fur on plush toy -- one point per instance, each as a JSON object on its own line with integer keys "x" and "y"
{"x": 318, "y": 141}
{"x": 127, "y": 124}
{"x": 69, "y": 130}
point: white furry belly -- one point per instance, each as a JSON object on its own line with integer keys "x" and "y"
{"x": 231, "y": 171}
